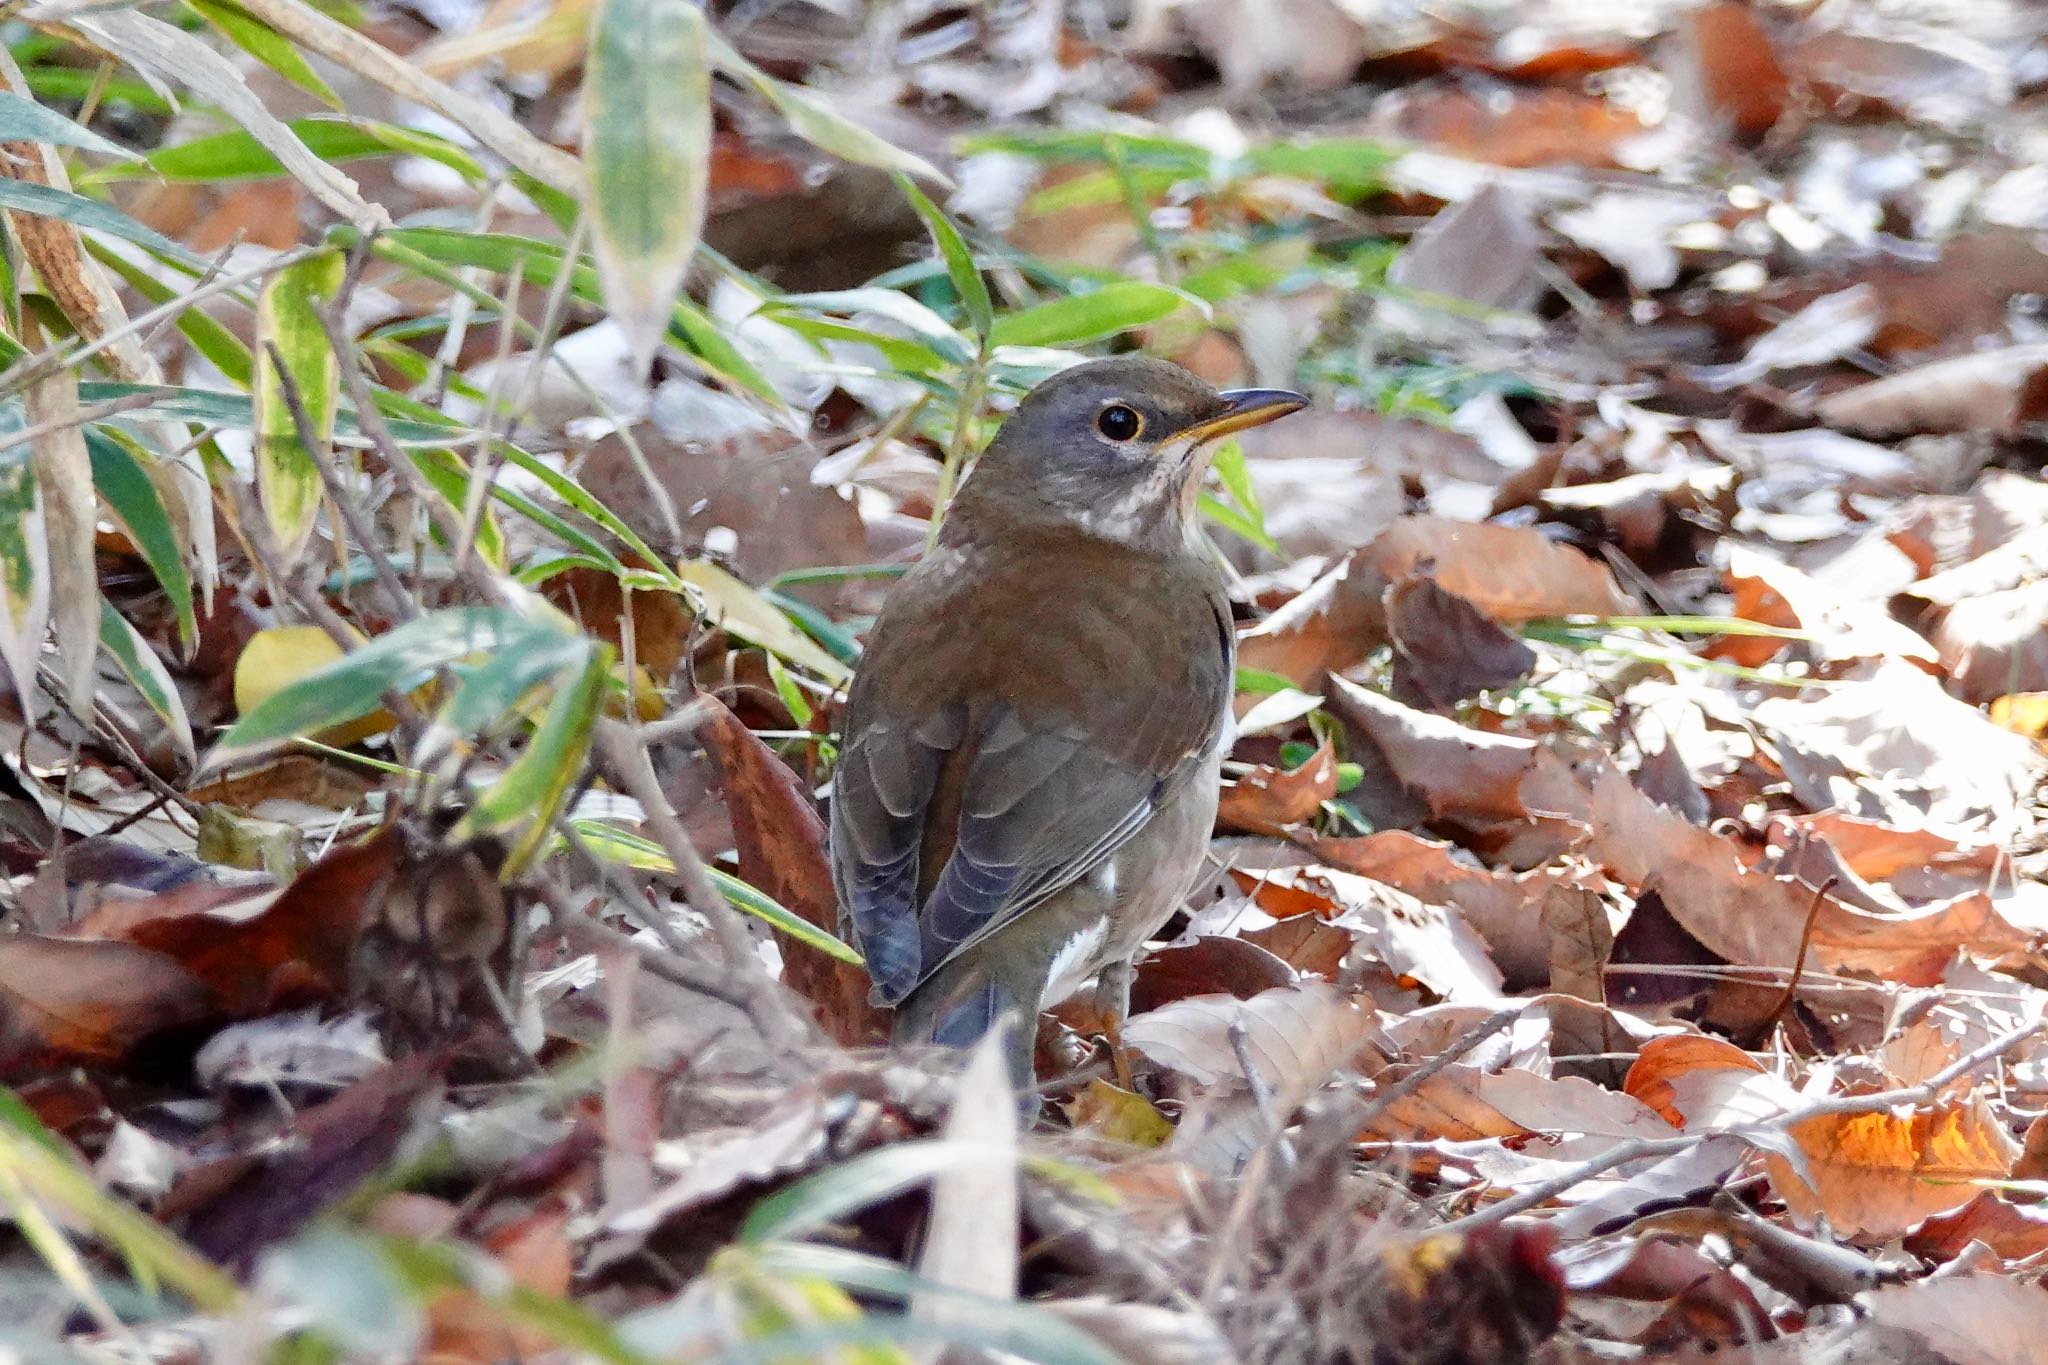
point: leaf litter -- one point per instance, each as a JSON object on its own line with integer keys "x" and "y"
{"x": 1623, "y": 934}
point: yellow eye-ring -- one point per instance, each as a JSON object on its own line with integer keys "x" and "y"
{"x": 1119, "y": 422}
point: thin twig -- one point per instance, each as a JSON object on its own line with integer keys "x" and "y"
{"x": 1414, "y": 1080}
{"x": 626, "y": 761}
{"x": 91, "y": 412}
{"x": 30, "y": 368}
{"x": 402, "y": 606}
{"x": 1832, "y": 1106}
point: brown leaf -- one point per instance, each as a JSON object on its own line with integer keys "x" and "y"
{"x": 1511, "y": 574}
{"x": 1421, "y": 944}
{"x": 1750, "y": 917}
{"x": 1983, "y": 391}
{"x": 1462, "y": 1103}
{"x": 782, "y": 853}
{"x": 324, "y": 1154}
{"x": 1269, "y": 800}
{"x": 1997, "y": 643}
{"x": 1507, "y": 909}
{"x": 1509, "y": 788}
{"x": 1445, "y": 649}
{"x": 1541, "y": 127}
{"x": 1295, "y": 1036}
{"x": 1879, "y": 1175}
{"x": 2014, "y": 1232}
{"x": 63, "y": 1001}
{"x": 1728, "y": 60}
{"x": 534, "y": 1254}
{"x": 1211, "y": 963}
{"x": 269, "y": 953}
{"x": 1663, "y": 1063}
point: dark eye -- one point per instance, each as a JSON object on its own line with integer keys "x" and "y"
{"x": 1119, "y": 423}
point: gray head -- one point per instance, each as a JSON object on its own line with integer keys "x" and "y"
{"x": 1116, "y": 448}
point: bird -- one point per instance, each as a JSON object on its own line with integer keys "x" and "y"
{"x": 1032, "y": 742}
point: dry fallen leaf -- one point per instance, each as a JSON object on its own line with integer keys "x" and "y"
{"x": 1294, "y": 1036}
{"x": 1879, "y": 1175}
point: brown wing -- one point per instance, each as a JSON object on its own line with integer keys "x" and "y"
{"x": 989, "y": 761}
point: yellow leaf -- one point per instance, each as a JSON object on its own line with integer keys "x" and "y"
{"x": 280, "y": 656}
{"x": 730, "y": 603}
{"x": 1118, "y": 1115}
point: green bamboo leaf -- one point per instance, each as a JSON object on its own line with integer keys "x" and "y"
{"x": 927, "y": 327}
{"x": 1081, "y": 318}
{"x": 23, "y": 120}
{"x": 811, "y": 1203}
{"x": 523, "y": 803}
{"x": 494, "y": 689}
{"x": 237, "y": 155}
{"x": 354, "y": 685}
{"x": 210, "y": 407}
{"x": 423, "y": 249}
{"x": 266, "y": 45}
{"x": 1233, "y": 519}
{"x": 1228, "y": 462}
{"x": 816, "y": 122}
{"x": 24, "y": 567}
{"x": 208, "y": 335}
{"x": 120, "y": 472}
{"x": 647, "y": 144}
{"x": 288, "y": 330}
{"x": 79, "y": 83}
{"x": 909, "y": 357}
{"x": 146, "y": 673}
{"x": 622, "y": 846}
{"x": 960, "y": 266}
{"x": 25, "y": 196}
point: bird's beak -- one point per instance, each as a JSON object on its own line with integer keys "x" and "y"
{"x": 1247, "y": 408}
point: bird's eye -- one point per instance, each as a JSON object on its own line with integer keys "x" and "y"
{"x": 1119, "y": 422}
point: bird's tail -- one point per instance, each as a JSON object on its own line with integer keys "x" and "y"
{"x": 958, "y": 1007}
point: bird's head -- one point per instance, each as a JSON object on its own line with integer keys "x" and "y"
{"x": 1116, "y": 448}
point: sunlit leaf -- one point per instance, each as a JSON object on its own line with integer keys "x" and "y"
{"x": 731, "y": 604}
{"x": 816, "y": 122}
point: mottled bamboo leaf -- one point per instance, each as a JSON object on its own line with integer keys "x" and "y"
{"x": 288, "y": 330}
{"x": 146, "y": 673}
{"x": 647, "y": 145}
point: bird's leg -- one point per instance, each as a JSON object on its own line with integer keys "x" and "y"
{"x": 1113, "y": 1003}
